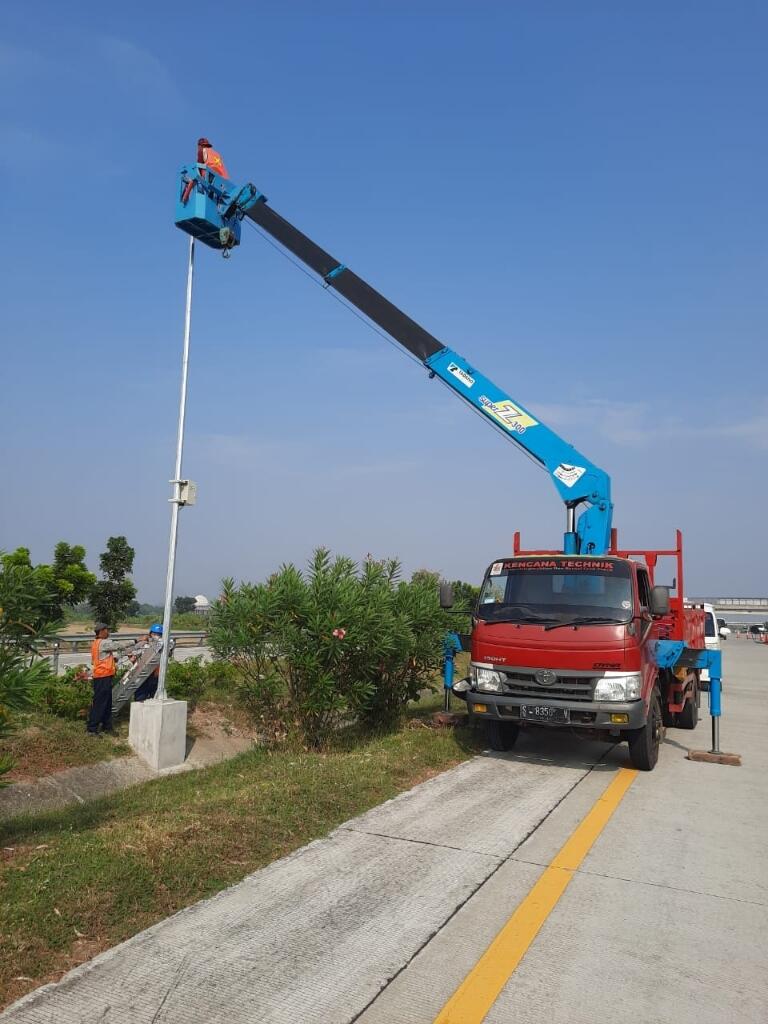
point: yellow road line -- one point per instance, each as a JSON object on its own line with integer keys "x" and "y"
{"x": 480, "y": 989}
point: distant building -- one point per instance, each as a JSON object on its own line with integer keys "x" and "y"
{"x": 202, "y": 604}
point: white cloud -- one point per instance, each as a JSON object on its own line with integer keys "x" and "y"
{"x": 642, "y": 424}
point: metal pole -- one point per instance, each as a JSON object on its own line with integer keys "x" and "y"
{"x": 176, "y": 499}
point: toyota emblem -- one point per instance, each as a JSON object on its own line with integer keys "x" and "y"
{"x": 545, "y": 677}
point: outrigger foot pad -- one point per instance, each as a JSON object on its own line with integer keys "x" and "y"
{"x": 448, "y": 719}
{"x": 712, "y": 758}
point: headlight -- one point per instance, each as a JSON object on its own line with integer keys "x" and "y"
{"x": 487, "y": 680}
{"x": 618, "y": 688}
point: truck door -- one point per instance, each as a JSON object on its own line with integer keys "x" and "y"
{"x": 645, "y": 627}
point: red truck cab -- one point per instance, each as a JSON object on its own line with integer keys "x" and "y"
{"x": 568, "y": 642}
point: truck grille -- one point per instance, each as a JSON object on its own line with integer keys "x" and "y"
{"x": 572, "y": 688}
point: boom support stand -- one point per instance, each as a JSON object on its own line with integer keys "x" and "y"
{"x": 671, "y": 653}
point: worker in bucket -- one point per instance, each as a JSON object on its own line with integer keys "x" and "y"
{"x": 148, "y": 688}
{"x": 103, "y": 651}
{"x": 211, "y": 159}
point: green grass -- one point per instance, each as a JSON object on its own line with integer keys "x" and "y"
{"x": 79, "y": 880}
{"x": 43, "y": 744}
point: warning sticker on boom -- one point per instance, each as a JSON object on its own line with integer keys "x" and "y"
{"x": 568, "y": 475}
{"x": 510, "y": 416}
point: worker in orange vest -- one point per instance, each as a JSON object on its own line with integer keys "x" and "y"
{"x": 208, "y": 156}
{"x": 103, "y": 651}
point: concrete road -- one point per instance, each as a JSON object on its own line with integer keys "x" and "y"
{"x": 661, "y": 917}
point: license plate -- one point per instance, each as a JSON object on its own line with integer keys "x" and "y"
{"x": 544, "y": 713}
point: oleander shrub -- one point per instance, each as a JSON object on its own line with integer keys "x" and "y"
{"x": 335, "y": 643}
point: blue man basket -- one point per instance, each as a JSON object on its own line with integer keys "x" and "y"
{"x": 201, "y": 216}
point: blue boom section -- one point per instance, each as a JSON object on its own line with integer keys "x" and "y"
{"x": 576, "y": 479}
{"x": 211, "y": 208}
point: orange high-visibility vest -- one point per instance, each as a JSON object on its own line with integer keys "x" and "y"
{"x": 103, "y": 667}
{"x": 213, "y": 162}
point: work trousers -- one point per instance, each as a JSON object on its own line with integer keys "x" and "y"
{"x": 148, "y": 688}
{"x": 101, "y": 706}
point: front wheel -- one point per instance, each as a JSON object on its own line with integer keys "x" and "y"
{"x": 644, "y": 743}
{"x": 500, "y": 735}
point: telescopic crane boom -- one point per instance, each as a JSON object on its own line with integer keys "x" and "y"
{"x": 211, "y": 208}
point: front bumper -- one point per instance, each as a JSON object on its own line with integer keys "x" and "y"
{"x": 583, "y": 714}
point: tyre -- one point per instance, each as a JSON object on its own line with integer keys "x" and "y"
{"x": 644, "y": 743}
{"x": 500, "y": 735}
{"x": 688, "y": 718}
{"x": 666, "y": 681}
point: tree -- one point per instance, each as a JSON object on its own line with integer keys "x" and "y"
{"x": 184, "y": 604}
{"x": 64, "y": 583}
{"x": 24, "y": 596}
{"x": 111, "y": 596}
{"x": 465, "y": 598}
{"x": 465, "y": 594}
{"x": 72, "y": 578}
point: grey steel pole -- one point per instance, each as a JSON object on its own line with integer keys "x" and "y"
{"x": 176, "y": 499}
{"x": 715, "y": 736}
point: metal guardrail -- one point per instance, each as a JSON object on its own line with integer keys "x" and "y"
{"x": 55, "y": 645}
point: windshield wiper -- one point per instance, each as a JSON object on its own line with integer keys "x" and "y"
{"x": 593, "y": 619}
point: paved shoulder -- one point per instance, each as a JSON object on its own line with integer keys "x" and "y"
{"x": 316, "y": 936}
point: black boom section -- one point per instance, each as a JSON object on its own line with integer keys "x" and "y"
{"x": 378, "y": 309}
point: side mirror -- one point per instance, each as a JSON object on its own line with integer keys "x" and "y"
{"x": 659, "y": 601}
{"x": 446, "y": 595}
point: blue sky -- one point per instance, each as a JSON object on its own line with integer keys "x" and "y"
{"x": 571, "y": 195}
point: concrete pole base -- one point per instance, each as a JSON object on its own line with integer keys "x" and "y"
{"x": 712, "y": 758}
{"x": 158, "y": 732}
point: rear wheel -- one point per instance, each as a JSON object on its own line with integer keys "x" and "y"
{"x": 667, "y": 681}
{"x": 500, "y": 735}
{"x": 644, "y": 742}
{"x": 688, "y": 718}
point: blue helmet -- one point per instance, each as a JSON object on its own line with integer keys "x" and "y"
{"x": 156, "y": 629}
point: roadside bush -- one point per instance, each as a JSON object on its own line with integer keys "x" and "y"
{"x": 336, "y": 643}
{"x": 68, "y": 695}
{"x": 26, "y": 598}
{"x": 403, "y": 643}
{"x": 187, "y": 680}
{"x": 193, "y": 679}
{"x": 221, "y": 677}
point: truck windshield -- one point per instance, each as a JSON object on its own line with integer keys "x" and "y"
{"x": 552, "y": 590}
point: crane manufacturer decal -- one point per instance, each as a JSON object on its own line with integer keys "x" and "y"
{"x": 510, "y": 416}
{"x": 461, "y": 375}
